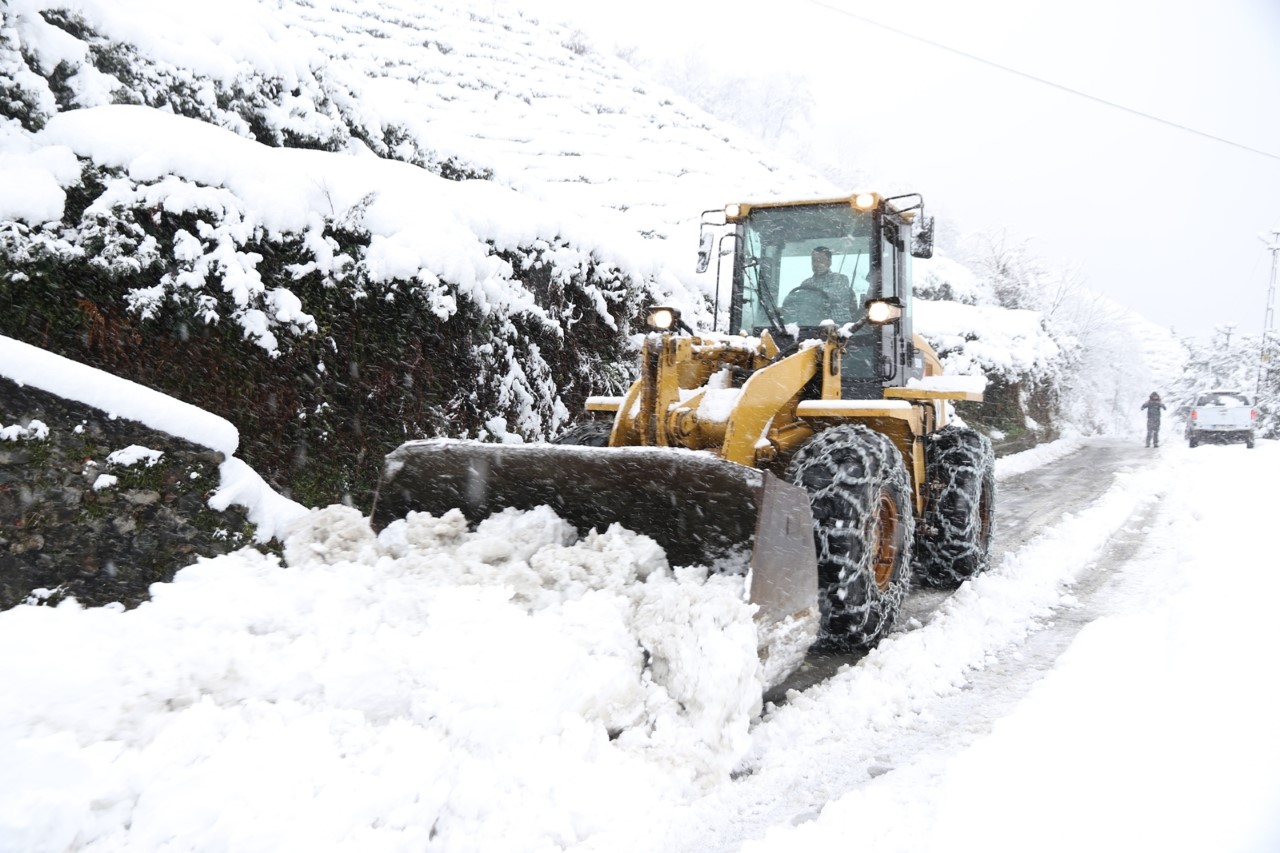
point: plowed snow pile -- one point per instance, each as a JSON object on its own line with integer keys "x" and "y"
{"x": 496, "y": 683}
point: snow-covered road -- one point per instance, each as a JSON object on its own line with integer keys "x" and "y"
{"x": 930, "y": 767}
{"x": 1037, "y": 489}
{"x": 1029, "y": 504}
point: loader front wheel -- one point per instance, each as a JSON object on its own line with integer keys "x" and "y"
{"x": 863, "y": 530}
{"x": 955, "y": 536}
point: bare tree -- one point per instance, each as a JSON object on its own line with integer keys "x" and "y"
{"x": 1015, "y": 275}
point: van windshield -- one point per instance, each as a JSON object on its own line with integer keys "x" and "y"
{"x": 1223, "y": 398}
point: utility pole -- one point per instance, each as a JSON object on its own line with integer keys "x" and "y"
{"x": 1268, "y": 318}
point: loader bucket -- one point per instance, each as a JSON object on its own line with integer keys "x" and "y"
{"x": 701, "y": 509}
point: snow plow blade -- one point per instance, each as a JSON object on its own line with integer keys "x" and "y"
{"x": 701, "y": 509}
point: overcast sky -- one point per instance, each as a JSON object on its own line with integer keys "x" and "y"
{"x": 1167, "y": 221}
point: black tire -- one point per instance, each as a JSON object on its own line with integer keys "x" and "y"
{"x": 1193, "y": 440}
{"x": 863, "y": 521}
{"x": 954, "y": 539}
{"x": 1248, "y": 442}
{"x": 588, "y": 433}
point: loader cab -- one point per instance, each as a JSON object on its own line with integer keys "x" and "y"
{"x": 799, "y": 265}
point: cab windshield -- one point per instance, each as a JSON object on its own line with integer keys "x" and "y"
{"x": 805, "y": 265}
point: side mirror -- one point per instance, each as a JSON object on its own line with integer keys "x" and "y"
{"x": 705, "y": 246}
{"x": 922, "y": 240}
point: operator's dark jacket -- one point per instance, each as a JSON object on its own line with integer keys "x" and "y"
{"x": 1153, "y": 408}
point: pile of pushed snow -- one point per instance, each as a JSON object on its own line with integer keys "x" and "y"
{"x": 511, "y": 682}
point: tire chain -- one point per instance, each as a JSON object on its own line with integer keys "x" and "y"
{"x": 845, "y": 470}
{"x": 961, "y": 466}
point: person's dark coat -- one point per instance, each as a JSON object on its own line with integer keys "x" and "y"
{"x": 1154, "y": 407}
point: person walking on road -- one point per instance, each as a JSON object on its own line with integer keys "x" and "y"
{"x": 1153, "y": 407}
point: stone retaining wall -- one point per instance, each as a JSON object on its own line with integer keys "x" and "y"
{"x": 99, "y": 508}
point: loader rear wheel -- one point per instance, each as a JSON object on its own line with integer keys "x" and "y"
{"x": 862, "y": 523}
{"x": 588, "y": 433}
{"x": 955, "y": 537}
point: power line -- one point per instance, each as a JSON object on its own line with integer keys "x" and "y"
{"x": 1041, "y": 80}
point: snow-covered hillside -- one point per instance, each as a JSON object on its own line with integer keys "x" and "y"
{"x": 594, "y": 155}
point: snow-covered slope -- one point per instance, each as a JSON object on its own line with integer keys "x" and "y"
{"x": 597, "y": 156}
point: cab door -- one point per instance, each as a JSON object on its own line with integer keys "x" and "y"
{"x": 894, "y": 283}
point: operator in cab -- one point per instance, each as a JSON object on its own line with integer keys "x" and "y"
{"x": 824, "y": 293}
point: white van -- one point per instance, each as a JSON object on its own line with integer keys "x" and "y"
{"x": 1222, "y": 416}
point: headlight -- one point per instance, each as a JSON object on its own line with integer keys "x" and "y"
{"x": 881, "y": 311}
{"x": 864, "y": 201}
{"x": 663, "y": 319}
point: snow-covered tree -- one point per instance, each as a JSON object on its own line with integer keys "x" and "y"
{"x": 1107, "y": 359}
{"x": 1244, "y": 362}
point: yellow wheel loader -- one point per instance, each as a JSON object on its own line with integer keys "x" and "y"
{"x": 805, "y": 446}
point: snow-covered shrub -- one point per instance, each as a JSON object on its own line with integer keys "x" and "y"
{"x": 1012, "y": 349}
{"x": 943, "y": 279}
{"x": 320, "y": 343}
